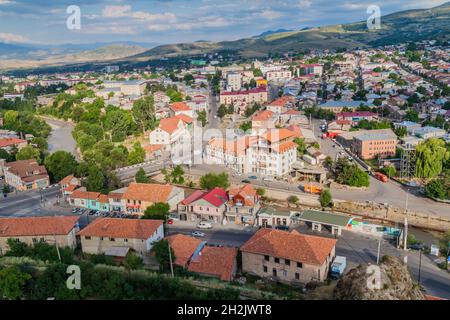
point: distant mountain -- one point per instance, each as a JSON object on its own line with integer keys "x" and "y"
{"x": 411, "y": 25}
{"x": 269, "y": 32}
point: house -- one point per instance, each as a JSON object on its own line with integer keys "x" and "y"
{"x": 26, "y": 175}
{"x": 11, "y": 142}
{"x": 288, "y": 257}
{"x": 84, "y": 199}
{"x": 316, "y": 154}
{"x": 356, "y": 116}
{"x": 178, "y": 108}
{"x": 428, "y": 132}
{"x": 249, "y": 97}
{"x": 204, "y": 205}
{"x": 269, "y": 217}
{"x": 408, "y": 125}
{"x": 242, "y": 206}
{"x": 338, "y": 106}
{"x": 59, "y": 230}
{"x": 264, "y": 119}
{"x": 105, "y": 234}
{"x": 278, "y": 75}
{"x": 68, "y": 185}
{"x": 281, "y": 104}
{"x": 372, "y": 145}
{"x": 195, "y": 256}
{"x": 115, "y": 200}
{"x": 140, "y": 196}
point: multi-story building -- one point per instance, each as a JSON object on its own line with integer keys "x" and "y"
{"x": 139, "y": 196}
{"x": 356, "y": 116}
{"x": 242, "y": 206}
{"x": 370, "y": 146}
{"x": 178, "y": 108}
{"x": 234, "y": 81}
{"x": 59, "y": 230}
{"x": 26, "y": 175}
{"x": 264, "y": 119}
{"x": 278, "y": 75}
{"x": 288, "y": 257}
{"x": 200, "y": 205}
{"x": 258, "y": 95}
{"x": 89, "y": 200}
{"x": 106, "y": 235}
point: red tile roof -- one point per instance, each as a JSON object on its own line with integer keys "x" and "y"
{"x": 216, "y": 197}
{"x": 121, "y": 228}
{"x": 169, "y": 125}
{"x": 180, "y": 106}
{"x": 6, "y": 142}
{"x": 215, "y": 261}
{"x": 263, "y": 115}
{"x": 150, "y": 192}
{"x": 37, "y": 226}
{"x": 290, "y": 245}
{"x": 81, "y": 194}
{"x": 183, "y": 247}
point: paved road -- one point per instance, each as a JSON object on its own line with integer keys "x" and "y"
{"x": 392, "y": 192}
{"x": 61, "y": 137}
{"x": 27, "y": 202}
{"x": 358, "y": 249}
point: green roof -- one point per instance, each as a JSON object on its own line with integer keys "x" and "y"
{"x": 323, "y": 218}
{"x": 272, "y": 212}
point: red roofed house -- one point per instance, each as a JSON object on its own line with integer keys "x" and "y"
{"x": 178, "y": 108}
{"x": 174, "y": 135}
{"x": 356, "y": 116}
{"x": 264, "y": 119}
{"x": 281, "y": 104}
{"x": 204, "y": 205}
{"x": 288, "y": 257}
{"x": 110, "y": 235}
{"x": 69, "y": 184}
{"x": 243, "y": 205}
{"x": 26, "y": 175}
{"x": 194, "y": 255}
{"x": 8, "y": 143}
{"x": 31, "y": 230}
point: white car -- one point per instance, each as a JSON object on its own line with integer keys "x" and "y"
{"x": 204, "y": 225}
{"x": 268, "y": 179}
{"x": 197, "y": 234}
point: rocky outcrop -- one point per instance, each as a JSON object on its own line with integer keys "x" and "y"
{"x": 388, "y": 281}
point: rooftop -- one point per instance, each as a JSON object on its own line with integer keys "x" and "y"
{"x": 37, "y": 226}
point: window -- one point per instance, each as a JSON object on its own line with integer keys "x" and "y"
{"x": 277, "y": 260}
{"x": 266, "y": 258}
{"x": 274, "y": 272}
{"x": 265, "y": 269}
{"x": 34, "y": 240}
{"x": 287, "y": 262}
{"x": 297, "y": 276}
{"x": 125, "y": 240}
{"x": 87, "y": 238}
{"x": 299, "y": 265}
{"x": 112, "y": 239}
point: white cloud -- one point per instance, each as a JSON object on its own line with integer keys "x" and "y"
{"x": 111, "y": 28}
{"x": 270, "y": 14}
{"x": 355, "y": 6}
{"x": 6, "y": 2}
{"x": 116, "y": 11}
{"x": 11, "y": 37}
{"x": 302, "y": 4}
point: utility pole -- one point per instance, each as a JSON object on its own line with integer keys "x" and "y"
{"x": 170, "y": 259}
{"x": 405, "y": 243}
{"x": 379, "y": 249}
{"x": 420, "y": 264}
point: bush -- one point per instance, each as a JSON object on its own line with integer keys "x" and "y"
{"x": 325, "y": 198}
{"x": 292, "y": 199}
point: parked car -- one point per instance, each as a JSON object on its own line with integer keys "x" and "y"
{"x": 253, "y": 177}
{"x": 204, "y": 225}
{"x": 74, "y": 210}
{"x": 268, "y": 179}
{"x": 284, "y": 228}
{"x": 170, "y": 221}
{"x": 245, "y": 181}
{"x": 416, "y": 246}
{"x": 197, "y": 234}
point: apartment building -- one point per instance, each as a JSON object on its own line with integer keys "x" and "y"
{"x": 288, "y": 257}
{"x": 59, "y": 230}
{"x": 370, "y": 146}
{"x": 278, "y": 75}
{"x": 109, "y": 235}
{"x": 234, "y": 81}
{"x": 258, "y": 95}
{"x": 26, "y": 175}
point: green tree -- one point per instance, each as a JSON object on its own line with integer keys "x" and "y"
{"x": 293, "y": 199}
{"x": 28, "y": 152}
{"x": 12, "y": 283}
{"x": 261, "y": 192}
{"x": 390, "y": 171}
{"x": 436, "y": 189}
{"x": 157, "y": 211}
{"x": 325, "y": 198}
{"x": 301, "y": 145}
{"x": 202, "y": 117}
{"x": 162, "y": 255}
{"x": 177, "y": 175}
{"x": 430, "y": 157}
{"x": 60, "y": 164}
{"x": 246, "y": 126}
{"x": 141, "y": 176}
{"x": 133, "y": 262}
{"x": 412, "y": 115}
{"x": 212, "y": 180}
{"x": 222, "y": 111}
{"x": 6, "y": 189}
{"x": 95, "y": 179}
{"x": 144, "y": 113}
{"x": 137, "y": 155}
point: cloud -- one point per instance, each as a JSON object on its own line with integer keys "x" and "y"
{"x": 108, "y": 28}
{"x": 302, "y": 4}
{"x": 11, "y": 37}
{"x": 6, "y": 2}
{"x": 355, "y": 6}
{"x": 116, "y": 11}
{"x": 270, "y": 14}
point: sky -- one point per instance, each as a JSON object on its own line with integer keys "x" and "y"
{"x": 175, "y": 21}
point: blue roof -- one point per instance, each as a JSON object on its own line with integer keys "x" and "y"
{"x": 407, "y": 123}
{"x": 342, "y": 104}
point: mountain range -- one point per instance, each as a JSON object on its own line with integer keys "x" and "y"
{"x": 403, "y": 26}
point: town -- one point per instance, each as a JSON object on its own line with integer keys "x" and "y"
{"x": 242, "y": 178}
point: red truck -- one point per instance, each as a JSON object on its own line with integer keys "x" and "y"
{"x": 330, "y": 135}
{"x": 380, "y": 176}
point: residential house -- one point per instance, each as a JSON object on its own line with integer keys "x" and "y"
{"x": 140, "y": 196}
{"x": 103, "y": 235}
{"x": 288, "y": 257}
{"x": 357, "y": 116}
{"x": 59, "y": 230}
{"x": 178, "y": 108}
{"x": 26, "y": 175}
{"x": 204, "y": 205}
{"x": 243, "y": 205}
{"x": 338, "y": 106}
{"x": 258, "y": 95}
{"x": 264, "y": 119}
{"x": 69, "y": 184}
{"x": 10, "y": 142}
